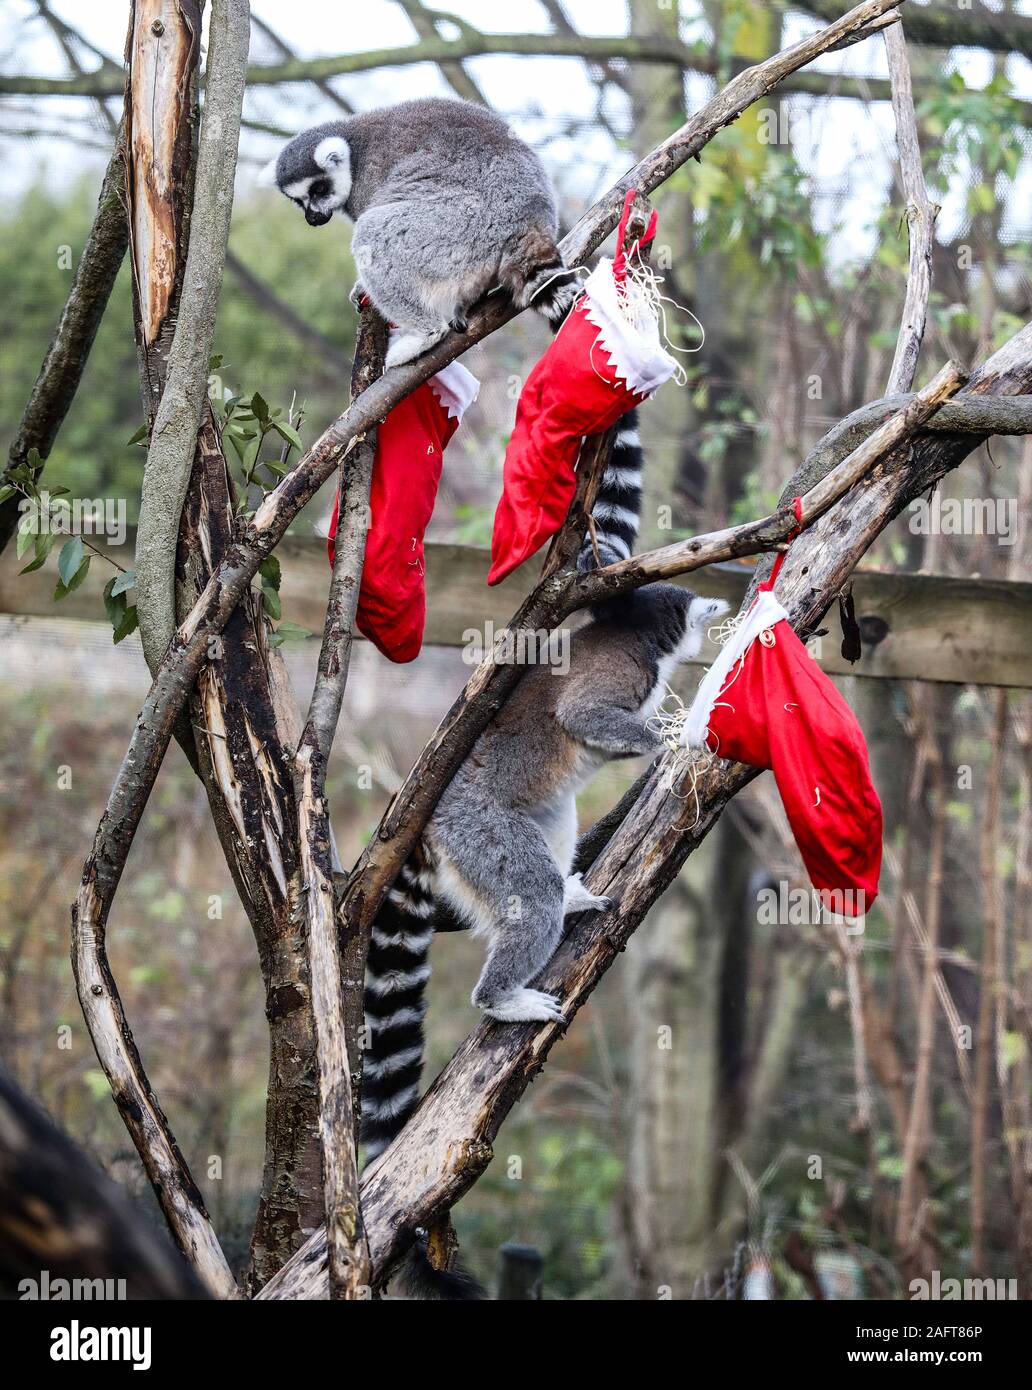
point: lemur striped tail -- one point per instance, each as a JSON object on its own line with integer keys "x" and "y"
{"x": 397, "y": 970}
{"x": 617, "y": 510}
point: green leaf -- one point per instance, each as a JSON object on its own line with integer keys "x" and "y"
{"x": 129, "y": 623}
{"x": 37, "y": 563}
{"x": 6, "y": 492}
{"x": 260, "y": 407}
{"x": 287, "y": 432}
{"x": 114, "y": 606}
{"x": 273, "y": 607}
{"x": 1012, "y": 1049}
{"x": 215, "y": 362}
{"x": 125, "y": 580}
{"x": 70, "y": 559}
{"x": 26, "y": 535}
{"x": 140, "y": 435}
{"x": 63, "y": 589}
{"x": 291, "y": 632}
{"x": 274, "y": 466}
{"x": 270, "y": 571}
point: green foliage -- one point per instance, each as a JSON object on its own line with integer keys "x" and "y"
{"x": 96, "y": 454}
{"x": 765, "y": 207}
{"x": 974, "y": 130}
{"x": 563, "y": 1203}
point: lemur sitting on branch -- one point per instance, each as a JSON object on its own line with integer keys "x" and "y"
{"x": 447, "y": 203}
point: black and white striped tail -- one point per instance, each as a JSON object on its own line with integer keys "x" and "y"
{"x": 397, "y": 971}
{"x": 617, "y": 510}
{"x": 616, "y": 514}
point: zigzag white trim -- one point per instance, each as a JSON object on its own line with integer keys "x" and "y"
{"x": 456, "y": 388}
{"x": 628, "y": 330}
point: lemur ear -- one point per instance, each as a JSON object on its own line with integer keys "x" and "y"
{"x": 332, "y": 152}
{"x": 267, "y": 175}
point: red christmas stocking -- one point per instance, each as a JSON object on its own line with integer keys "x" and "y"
{"x": 606, "y": 358}
{"x": 406, "y": 473}
{"x": 766, "y": 702}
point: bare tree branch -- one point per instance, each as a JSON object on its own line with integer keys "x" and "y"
{"x": 285, "y": 51}
{"x": 425, "y": 22}
{"x": 921, "y": 214}
{"x": 944, "y": 24}
{"x": 471, "y": 43}
{"x": 173, "y": 440}
{"x": 162, "y": 125}
{"x": 336, "y": 1031}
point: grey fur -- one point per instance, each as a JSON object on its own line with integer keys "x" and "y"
{"x": 447, "y": 204}
{"x": 502, "y": 838}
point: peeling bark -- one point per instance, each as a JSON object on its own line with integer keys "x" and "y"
{"x": 245, "y": 724}
{"x": 161, "y": 118}
{"x": 180, "y": 371}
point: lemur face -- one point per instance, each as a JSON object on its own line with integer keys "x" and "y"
{"x": 315, "y": 173}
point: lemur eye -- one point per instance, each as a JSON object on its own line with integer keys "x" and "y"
{"x": 319, "y": 189}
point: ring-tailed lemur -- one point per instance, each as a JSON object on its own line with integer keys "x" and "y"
{"x": 499, "y": 847}
{"x": 446, "y": 203}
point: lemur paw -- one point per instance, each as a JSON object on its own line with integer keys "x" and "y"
{"x": 407, "y": 346}
{"x": 526, "y": 1006}
{"x": 576, "y": 897}
{"x": 358, "y": 294}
